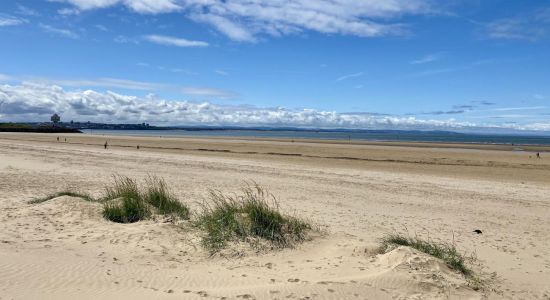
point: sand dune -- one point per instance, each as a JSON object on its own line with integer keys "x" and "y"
{"x": 64, "y": 249}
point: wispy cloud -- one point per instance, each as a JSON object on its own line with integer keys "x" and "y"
{"x": 169, "y": 69}
{"x": 121, "y": 39}
{"x": 445, "y": 112}
{"x": 59, "y": 31}
{"x": 140, "y": 6}
{"x": 221, "y": 72}
{"x": 348, "y": 76}
{"x": 208, "y": 92}
{"x": 530, "y": 26}
{"x": 244, "y": 20}
{"x": 465, "y": 67}
{"x": 520, "y": 108}
{"x": 125, "y": 84}
{"x": 67, "y": 12}
{"x": 26, "y": 11}
{"x": 103, "y": 82}
{"x": 515, "y": 29}
{"x": 173, "y": 41}
{"x": 7, "y": 20}
{"x": 427, "y": 59}
{"x": 101, "y": 27}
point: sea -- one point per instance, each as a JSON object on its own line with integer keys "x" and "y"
{"x": 368, "y": 135}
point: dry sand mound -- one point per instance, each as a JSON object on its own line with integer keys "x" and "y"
{"x": 63, "y": 248}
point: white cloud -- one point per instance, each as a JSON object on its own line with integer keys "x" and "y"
{"x": 6, "y": 20}
{"x": 33, "y": 102}
{"x": 243, "y": 20}
{"x": 173, "y": 41}
{"x": 346, "y": 77}
{"x": 221, "y": 72}
{"x": 59, "y": 31}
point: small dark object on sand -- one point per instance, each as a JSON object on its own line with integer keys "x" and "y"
{"x": 105, "y": 145}
{"x": 58, "y": 139}
{"x": 478, "y": 231}
{"x": 137, "y": 147}
{"x": 538, "y": 154}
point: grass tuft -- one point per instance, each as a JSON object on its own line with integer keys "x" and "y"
{"x": 123, "y": 187}
{"x": 444, "y": 251}
{"x": 158, "y": 195}
{"x": 254, "y": 214}
{"x": 127, "y": 210}
{"x": 84, "y": 196}
{"x": 135, "y": 201}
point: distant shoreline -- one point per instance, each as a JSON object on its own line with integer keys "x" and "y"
{"x": 41, "y": 130}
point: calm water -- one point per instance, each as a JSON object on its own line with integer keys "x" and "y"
{"x": 368, "y": 135}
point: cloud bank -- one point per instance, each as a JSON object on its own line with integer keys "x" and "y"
{"x": 34, "y": 102}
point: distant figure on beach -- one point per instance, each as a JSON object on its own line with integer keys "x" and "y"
{"x": 137, "y": 147}
{"x": 58, "y": 139}
{"x": 65, "y": 140}
{"x": 538, "y": 155}
{"x": 105, "y": 145}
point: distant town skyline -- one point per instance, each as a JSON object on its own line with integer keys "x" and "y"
{"x": 387, "y": 64}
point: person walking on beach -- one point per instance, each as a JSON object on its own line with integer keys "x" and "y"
{"x": 58, "y": 139}
{"x": 105, "y": 145}
{"x": 538, "y": 154}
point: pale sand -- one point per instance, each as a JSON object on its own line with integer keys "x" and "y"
{"x": 64, "y": 249}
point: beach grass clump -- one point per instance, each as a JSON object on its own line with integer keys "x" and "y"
{"x": 123, "y": 187}
{"x": 126, "y": 201}
{"x": 83, "y": 196}
{"x": 252, "y": 214}
{"x": 448, "y": 253}
{"x": 126, "y": 210}
{"x": 159, "y": 196}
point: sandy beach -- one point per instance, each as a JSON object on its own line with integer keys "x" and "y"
{"x": 357, "y": 193}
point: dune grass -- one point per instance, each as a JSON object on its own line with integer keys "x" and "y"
{"x": 122, "y": 187}
{"x": 84, "y": 196}
{"x": 254, "y": 213}
{"x": 127, "y": 210}
{"x": 135, "y": 201}
{"x": 444, "y": 251}
{"x": 158, "y": 195}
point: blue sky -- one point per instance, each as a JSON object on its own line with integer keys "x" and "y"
{"x": 420, "y": 64}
